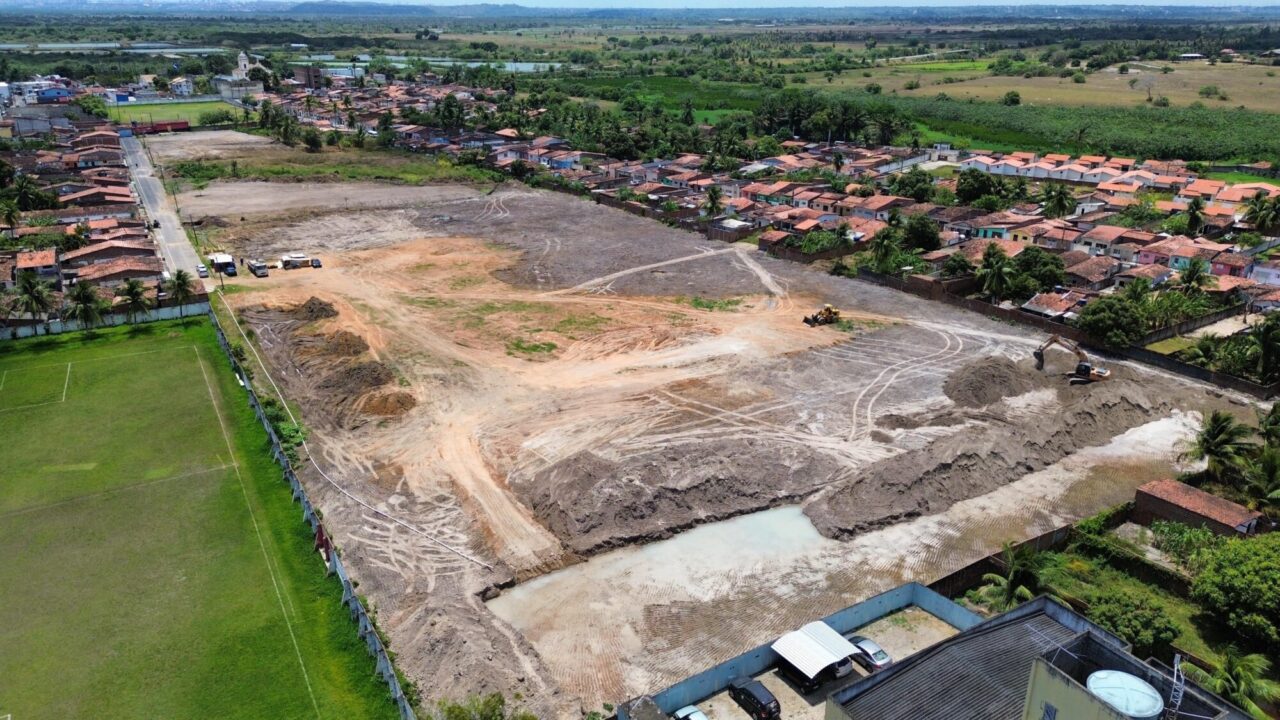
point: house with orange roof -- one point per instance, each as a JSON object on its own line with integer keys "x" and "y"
{"x": 1232, "y": 264}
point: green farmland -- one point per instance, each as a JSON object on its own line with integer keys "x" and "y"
{"x": 154, "y": 563}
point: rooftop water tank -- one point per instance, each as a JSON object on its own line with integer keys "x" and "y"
{"x": 1127, "y": 694}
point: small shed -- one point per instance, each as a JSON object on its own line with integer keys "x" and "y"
{"x": 1172, "y": 501}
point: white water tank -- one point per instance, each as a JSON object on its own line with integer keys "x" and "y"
{"x": 1127, "y": 694}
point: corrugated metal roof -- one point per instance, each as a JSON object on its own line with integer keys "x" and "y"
{"x": 813, "y": 647}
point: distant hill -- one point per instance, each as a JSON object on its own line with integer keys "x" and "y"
{"x": 337, "y": 8}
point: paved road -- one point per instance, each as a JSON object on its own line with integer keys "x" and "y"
{"x": 175, "y": 248}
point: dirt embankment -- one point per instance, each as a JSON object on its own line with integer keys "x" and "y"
{"x": 1021, "y": 437}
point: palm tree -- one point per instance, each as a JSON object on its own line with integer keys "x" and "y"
{"x": 1261, "y": 211}
{"x": 1019, "y": 582}
{"x": 1240, "y": 678}
{"x": 1269, "y": 425}
{"x": 1265, "y": 345}
{"x": 1261, "y": 486}
{"x": 1195, "y": 277}
{"x": 996, "y": 273}
{"x": 10, "y": 213}
{"x": 35, "y": 296}
{"x": 1137, "y": 291}
{"x": 1058, "y": 201}
{"x": 1195, "y": 214}
{"x": 715, "y": 201}
{"x": 885, "y": 247}
{"x": 25, "y": 193}
{"x": 1222, "y": 443}
{"x": 85, "y": 306}
{"x": 134, "y": 294}
{"x": 7, "y": 300}
{"x": 181, "y": 288}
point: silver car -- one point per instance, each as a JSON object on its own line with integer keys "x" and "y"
{"x": 870, "y": 656}
{"x": 202, "y": 271}
{"x": 689, "y": 712}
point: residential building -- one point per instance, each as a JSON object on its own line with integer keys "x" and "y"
{"x": 182, "y": 87}
{"x": 1173, "y": 501}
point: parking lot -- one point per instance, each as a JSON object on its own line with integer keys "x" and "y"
{"x": 901, "y": 634}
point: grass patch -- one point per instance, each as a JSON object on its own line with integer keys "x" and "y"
{"x": 711, "y": 304}
{"x": 1238, "y": 177}
{"x": 580, "y": 324}
{"x": 136, "y": 583}
{"x": 1172, "y": 345}
{"x": 340, "y": 165}
{"x": 463, "y": 282}
{"x": 430, "y": 302}
{"x": 520, "y": 346}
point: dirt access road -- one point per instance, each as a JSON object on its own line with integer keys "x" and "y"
{"x": 529, "y": 379}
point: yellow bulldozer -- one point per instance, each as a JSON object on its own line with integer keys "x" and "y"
{"x": 1084, "y": 373}
{"x": 826, "y": 316}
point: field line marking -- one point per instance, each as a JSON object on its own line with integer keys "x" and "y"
{"x": 104, "y": 357}
{"x": 66, "y": 383}
{"x": 112, "y": 491}
{"x": 3, "y": 376}
{"x": 261, "y": 543}
{"x": 28, "y": 407}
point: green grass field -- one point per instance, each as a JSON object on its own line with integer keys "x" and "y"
{"x": 154, "y": 563}
{"x": 189, "y": 111}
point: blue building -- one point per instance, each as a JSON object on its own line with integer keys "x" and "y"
{"x": 49, "y": 96}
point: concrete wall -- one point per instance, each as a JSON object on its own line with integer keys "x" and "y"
{"x": 759, "y": 659}
{"x": 56, "y": 327}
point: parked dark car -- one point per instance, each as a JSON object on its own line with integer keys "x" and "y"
{"x": 807, "y": 685}
{"x": 871, "y": 655}
{"x": 753, "y": 697}
{"x": 315, "y": 263}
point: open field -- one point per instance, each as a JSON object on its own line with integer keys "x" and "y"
{"x": 154, "y": 562}
{"x": 524, "y": 380}
{"x": 189, "y": 111}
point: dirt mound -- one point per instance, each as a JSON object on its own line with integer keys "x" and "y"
{"x": 315, "y": 309}
{"x": 392, "y": 404}
{"x": 990, "y": 380}
{"x": 968, "y": 464}
{"x": 357, "y": 378}
{"x": 346, "y": 344}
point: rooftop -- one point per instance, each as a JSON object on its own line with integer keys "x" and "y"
{"x": 1200, "y": 502}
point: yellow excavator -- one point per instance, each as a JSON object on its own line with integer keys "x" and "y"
{"x": 1084, "y": 373}
{"x": 826, "y": 316}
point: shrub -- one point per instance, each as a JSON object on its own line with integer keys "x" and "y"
{"x": 1112, "y": 320}
{"x": 1188, "y": 546}
{"x": 1139, "y": 619}
{"x": 1240, "y": 584}
{"x": 1078, "y": 78}
{"x": 221, "y": 116}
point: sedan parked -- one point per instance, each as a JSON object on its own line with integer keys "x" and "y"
{"x": 870, "y": 656}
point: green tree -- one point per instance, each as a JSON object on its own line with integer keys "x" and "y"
{"x": 86, "y": 306}
{"x": 1269, "y": 425}
{"x": 914, "y": 183}
{"x": 34, "y": 297}
{"x": 996, "y": 273}
{"x": 1264, "y": 343}
{"x": 1018, "y": 583}
{"x": 1240, "y": 678}
{"x": 134, "y": 298}
{"x": 1223, "y": 443}
{"x": 1195, "y": 277}
{"x": 1262, "y": 211}
{"x": 1011, "y": 98}
{"x": 972, "y": 184}
{"x": 714, "y": 204}
{"x": 1137, "y": 618}
{"x": 885, "y": 249}
{"x": 920, "y": 233}
{"x": 1112, "y": 321}
{"x": 1058, "y": 201}
{"x": 312, "y": 140}
{"x": 957, "y": 265}
{"x": 1240, "y": 585}
{"x": 1195, "y": 214}
{"x": 10, "y": 214}
{"x": 181, "y": 289}
{"x": 1260, "y": 487}
{"x": 1041, "y": 270}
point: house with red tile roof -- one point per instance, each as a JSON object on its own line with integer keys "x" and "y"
{"x": 1094, "y": 273}
{"x": 1172, "y": 501}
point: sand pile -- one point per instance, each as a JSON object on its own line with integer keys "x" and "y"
{"x": 983, "y": 383}
{"x": 392, "y": 404}
{"x": 974, "y": 462}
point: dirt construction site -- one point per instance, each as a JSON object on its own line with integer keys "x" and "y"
{"x": 594, "y": 455}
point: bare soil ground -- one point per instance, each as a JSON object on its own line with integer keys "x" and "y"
{"x": 521, "y": 380}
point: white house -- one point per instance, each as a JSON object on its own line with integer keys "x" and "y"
{"x": 182, "y": 87}
{"x": 1267, "y": 273}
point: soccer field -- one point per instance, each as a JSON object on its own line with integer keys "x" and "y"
{"x": 153, "y": 562}
{"x": 150, "y": 112}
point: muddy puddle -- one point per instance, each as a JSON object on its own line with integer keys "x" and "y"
{"x": 629, "y": 614}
